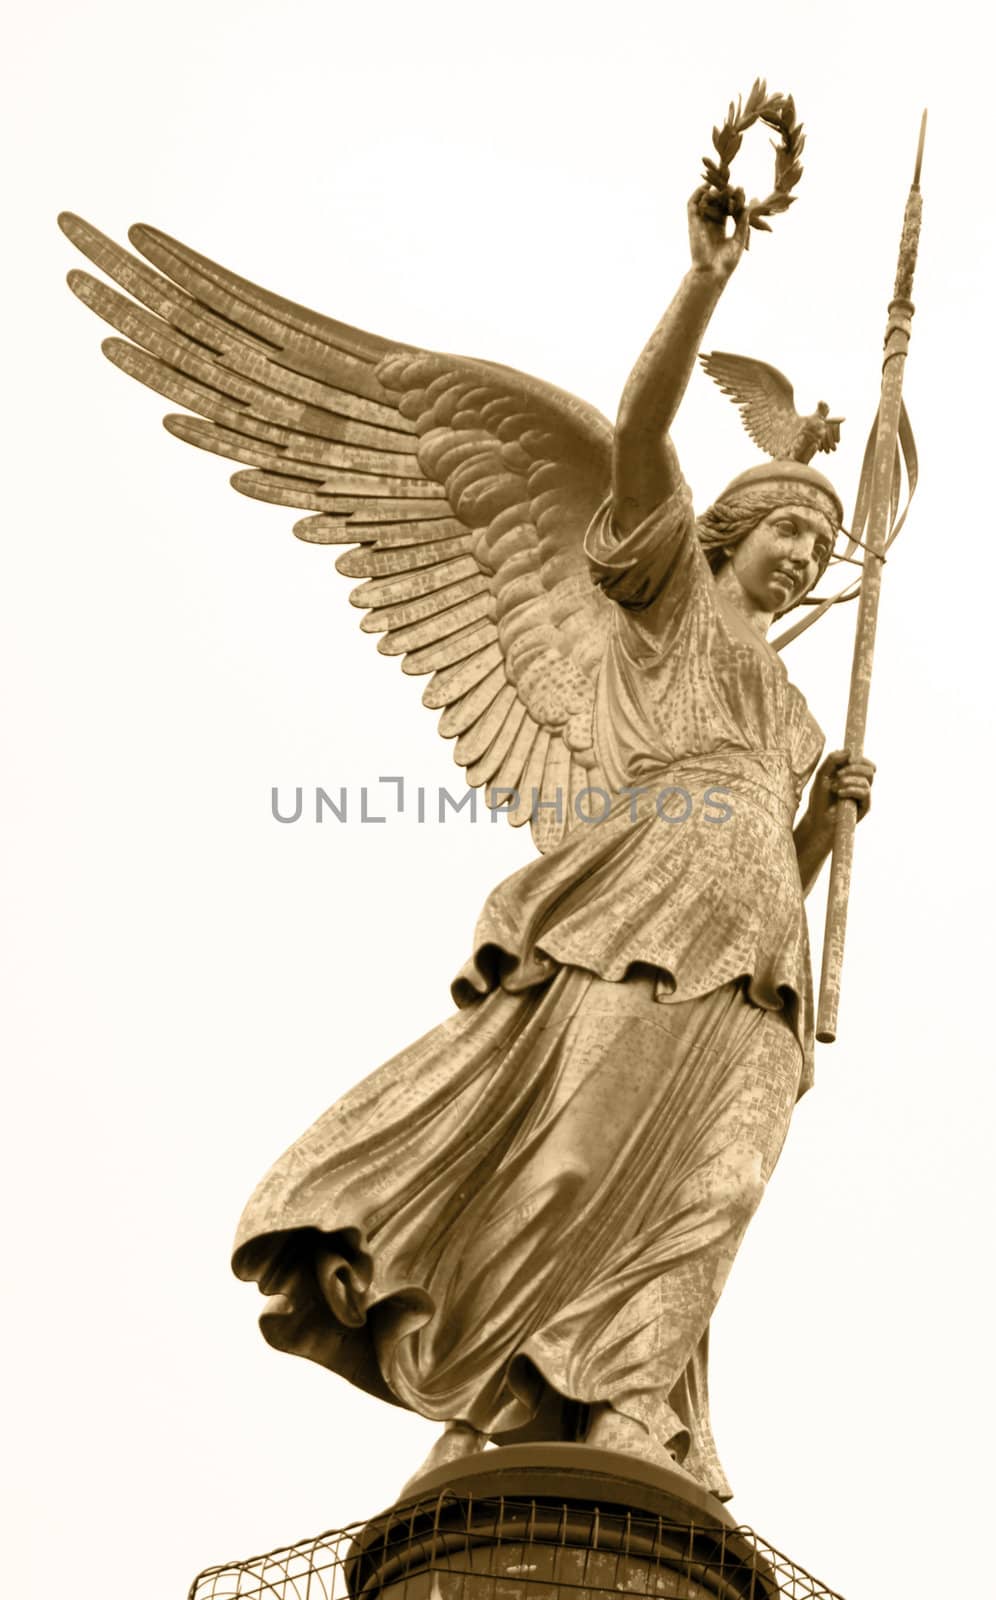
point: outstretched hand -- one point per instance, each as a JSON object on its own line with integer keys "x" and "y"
{"x": 713, "y": 250}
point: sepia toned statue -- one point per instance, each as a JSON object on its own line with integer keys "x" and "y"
{"x": 520, "y": 1226}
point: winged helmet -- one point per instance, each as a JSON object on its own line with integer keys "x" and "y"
{"x": 766, "y": 402}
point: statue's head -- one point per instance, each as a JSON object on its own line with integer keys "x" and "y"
{"x": 783, "y": 507}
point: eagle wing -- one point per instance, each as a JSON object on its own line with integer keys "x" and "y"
{"x": 764, "y": 397}
{"x": 465, "y": 486}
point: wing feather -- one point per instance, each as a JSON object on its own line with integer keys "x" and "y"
{"x": 389, "y": 618}
{"x": 401, "y": 588}
{"x": 261, "y": 311}
{"x": 531, "y": 781}
{"x": 464, "y": 713}
{"x": 375, "y": 516}
{"x": 577, "y": 782}
{"x": 471, "y": 745}
{"x": 400, "y": 536}
{"x": 489, "y": 763}
{"x": 513, "y": 765}
{"x": 218, "y": 394}
{"x": 283, "y": 489}
{"x": 193, "y": 325}
{"x": 451, "y": 649}
{"x": 442, "y": 624}
{"x": 450, "y": 683}
{"x": 551, "y": 819}
{"x": 380, "y": 562}
{"x": 186, "y": 339}
{"x": 299, "y": 450}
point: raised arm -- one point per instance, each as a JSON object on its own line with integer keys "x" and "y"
{"x": 644, "y": 466}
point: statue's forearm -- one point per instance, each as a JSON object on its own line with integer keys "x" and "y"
{"x": 656, "y": 384}
{"x": 645, "y": 467}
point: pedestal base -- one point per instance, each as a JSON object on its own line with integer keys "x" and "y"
{"x": 529, "y": 1522}
{"x": 565, "y": 1470}
{"x": 554, "y": 1522}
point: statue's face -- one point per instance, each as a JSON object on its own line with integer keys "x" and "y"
{"x": 780, "y": 560}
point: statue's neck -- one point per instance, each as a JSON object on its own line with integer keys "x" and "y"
{"x": 732, "y": 591}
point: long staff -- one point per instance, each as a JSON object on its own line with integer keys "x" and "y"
{"x": 880, "y": 504}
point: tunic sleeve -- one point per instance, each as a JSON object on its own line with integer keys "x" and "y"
{"x": 662, "y": 552}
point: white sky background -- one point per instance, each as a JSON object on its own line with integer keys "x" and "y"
{"x": 190, "y": 983}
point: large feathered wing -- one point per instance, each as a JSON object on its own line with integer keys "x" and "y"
{"x": 764, "y": 398}
{"x": 467, "y": 488}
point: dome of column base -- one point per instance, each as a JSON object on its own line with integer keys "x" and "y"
{"x": 530, "y": 1522}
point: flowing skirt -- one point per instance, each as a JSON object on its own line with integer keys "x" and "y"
{"x": 537, "y": 1202}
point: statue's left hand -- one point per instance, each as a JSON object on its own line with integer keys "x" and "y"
{"x": 713, "y": 250}
{"x": 839, "y": 778}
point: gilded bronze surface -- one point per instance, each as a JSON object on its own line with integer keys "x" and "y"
{"x": 520, "y": 1225}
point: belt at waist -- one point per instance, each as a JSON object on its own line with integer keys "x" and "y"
{"x": 763, "y": 775}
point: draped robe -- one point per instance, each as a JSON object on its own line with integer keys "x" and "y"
{"x": 534, "y": 1208}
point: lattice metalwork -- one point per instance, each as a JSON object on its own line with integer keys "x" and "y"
{"x": 460, "y": 1548}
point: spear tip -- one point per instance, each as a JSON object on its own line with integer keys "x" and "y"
{"x": 919, "y": 150}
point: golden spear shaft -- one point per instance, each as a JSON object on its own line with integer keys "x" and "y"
{"x": 897, "y": 339}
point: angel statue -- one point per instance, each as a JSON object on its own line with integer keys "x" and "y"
{"x": 521, "y": 1224}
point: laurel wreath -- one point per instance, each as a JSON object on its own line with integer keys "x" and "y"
{"x": 776, "y": 111}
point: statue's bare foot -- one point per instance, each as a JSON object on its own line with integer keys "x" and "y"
{"x": 613, "y": 1430}
{"x": 457, "y": 1440}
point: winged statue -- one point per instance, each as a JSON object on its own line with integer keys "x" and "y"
{"x": 521, "y": 1224}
